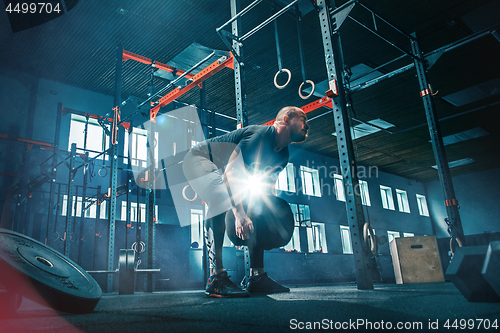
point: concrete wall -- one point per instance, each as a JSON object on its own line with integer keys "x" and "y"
{"x": 478, "y": 195}
{"x": 327, "y": 209}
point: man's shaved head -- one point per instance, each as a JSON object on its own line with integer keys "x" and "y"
{"x": 290, "y": 111}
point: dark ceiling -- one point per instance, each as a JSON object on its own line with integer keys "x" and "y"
{"x": 78, "y": 49}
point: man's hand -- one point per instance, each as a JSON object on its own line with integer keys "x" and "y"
{"x": 243, "y": 225}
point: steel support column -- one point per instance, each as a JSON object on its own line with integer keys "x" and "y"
{"x": 451, "y": 203}
{"x": 114, "y": 173}
{"x": 83, "y": 219}
{"x": 52, "y": 211}
{"x": 130, "y": 176}
{"x": 150, "y": 199}
{"x": 355, "y": 217}
{"x": 69, "y": 202}
{"x": 96, "y": 225}
{"x": 150, "y": 209}
{"x": 239, "y": 71}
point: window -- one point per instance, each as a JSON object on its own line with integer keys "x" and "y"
{"x": 402, "y": 201}
{"x": 64, "y": 207}
{"x": 104, "y": 210}
{"x": 301, "y": 214}
{"x": 197, "y": 227}
{"x": 133, "y": 212}
{"x": 317, "y": 238}
{"x": 138, "y": 147}
{"x": 408, "y": 234}
{"x": 422, "y": 205}
{"x": 387, "y": 200}
{"x": 286, "y": 179}
{"x": 345, "y": 235}
{"x": 339, "y": 188}
{"x": 365, "y": 196}
{"x": 391, "y": 235}
{"x": 95, "y": 139}
{"x": 310, "y": 181}
{"x": 294, "y": 243}
{"x": 91, "y": 206}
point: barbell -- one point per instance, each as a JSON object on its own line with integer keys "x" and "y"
{"x": 126, "y": 271}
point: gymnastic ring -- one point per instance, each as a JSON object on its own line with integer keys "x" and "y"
{"x": 184, "y": 194}
{"x": 313, "y": 86}
{"x": 73, "y": 238}
{"x": 276, "y": 78}
{"x": 55, "y": 236}
{"x": 134, "y": 247}
{"x": 367, "y": 228}
{"x": 105, "y": 169}
{"x": 459, "y": 242}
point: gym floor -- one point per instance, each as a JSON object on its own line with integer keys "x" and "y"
{"x": 435, "y": 307}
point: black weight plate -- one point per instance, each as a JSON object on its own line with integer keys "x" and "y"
{"x": 43, "y": 275}
{"x": 272, "y": 220}
{"x": 126, "y": 272}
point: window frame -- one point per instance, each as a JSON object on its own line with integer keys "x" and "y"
{"x": 77, "y": 135}
{"x": 387, "y": 198}
{"x": 345, "y": 236}
{"x": 364, "y": 193}
{"x": 138, "y": 146}
{"x": 315, "y": 182}
{"x": 338, "y": 182}
{"x": 423, "y": 208}
{"x": 286, "y": 179}
{"x": 403, "y": 203}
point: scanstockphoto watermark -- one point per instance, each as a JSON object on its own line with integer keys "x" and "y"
{"x": 359, "y": 324}
{"x": 369, "y": 325}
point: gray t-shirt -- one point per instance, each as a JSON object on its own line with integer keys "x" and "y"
{"x": 256, "y": 145}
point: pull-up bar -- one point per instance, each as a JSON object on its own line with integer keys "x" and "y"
{"x": 269, "y": 20}
{"x": 243, "y": 12}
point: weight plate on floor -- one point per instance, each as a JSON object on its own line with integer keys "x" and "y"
{"x": 126, "y": 272}
{"x": 43, "y": 275}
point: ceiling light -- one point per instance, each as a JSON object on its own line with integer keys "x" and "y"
{"x": 362, "y": 130}
{"x": 473, "y": 133}
{"x": 474, "y": 93}
{"x": 463, "y": 161}
{"x": 122, "y": 11}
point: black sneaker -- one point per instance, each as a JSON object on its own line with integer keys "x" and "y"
{"x": 264, "y": 284}
{"x": 220, "y": 286}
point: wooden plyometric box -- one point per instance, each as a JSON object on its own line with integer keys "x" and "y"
{"x": 416, "y": 260}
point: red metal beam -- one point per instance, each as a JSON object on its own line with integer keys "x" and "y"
{"x": 325, "y": 101}
{"x": 197, "y": 80}
{"x": 6, "y": 174}
{"x": 132, "y": 56}
{"x": 34, "y": 142}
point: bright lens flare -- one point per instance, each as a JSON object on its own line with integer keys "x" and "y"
{"x": 255, "y": 185}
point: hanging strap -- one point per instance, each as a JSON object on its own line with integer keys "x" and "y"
{"x": 301, "y": 53}
{"x": 278, "y": 54}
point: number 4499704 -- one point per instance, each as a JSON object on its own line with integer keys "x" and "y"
{"x": 471, "y": 324}
{"x": 33, "y": 8}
